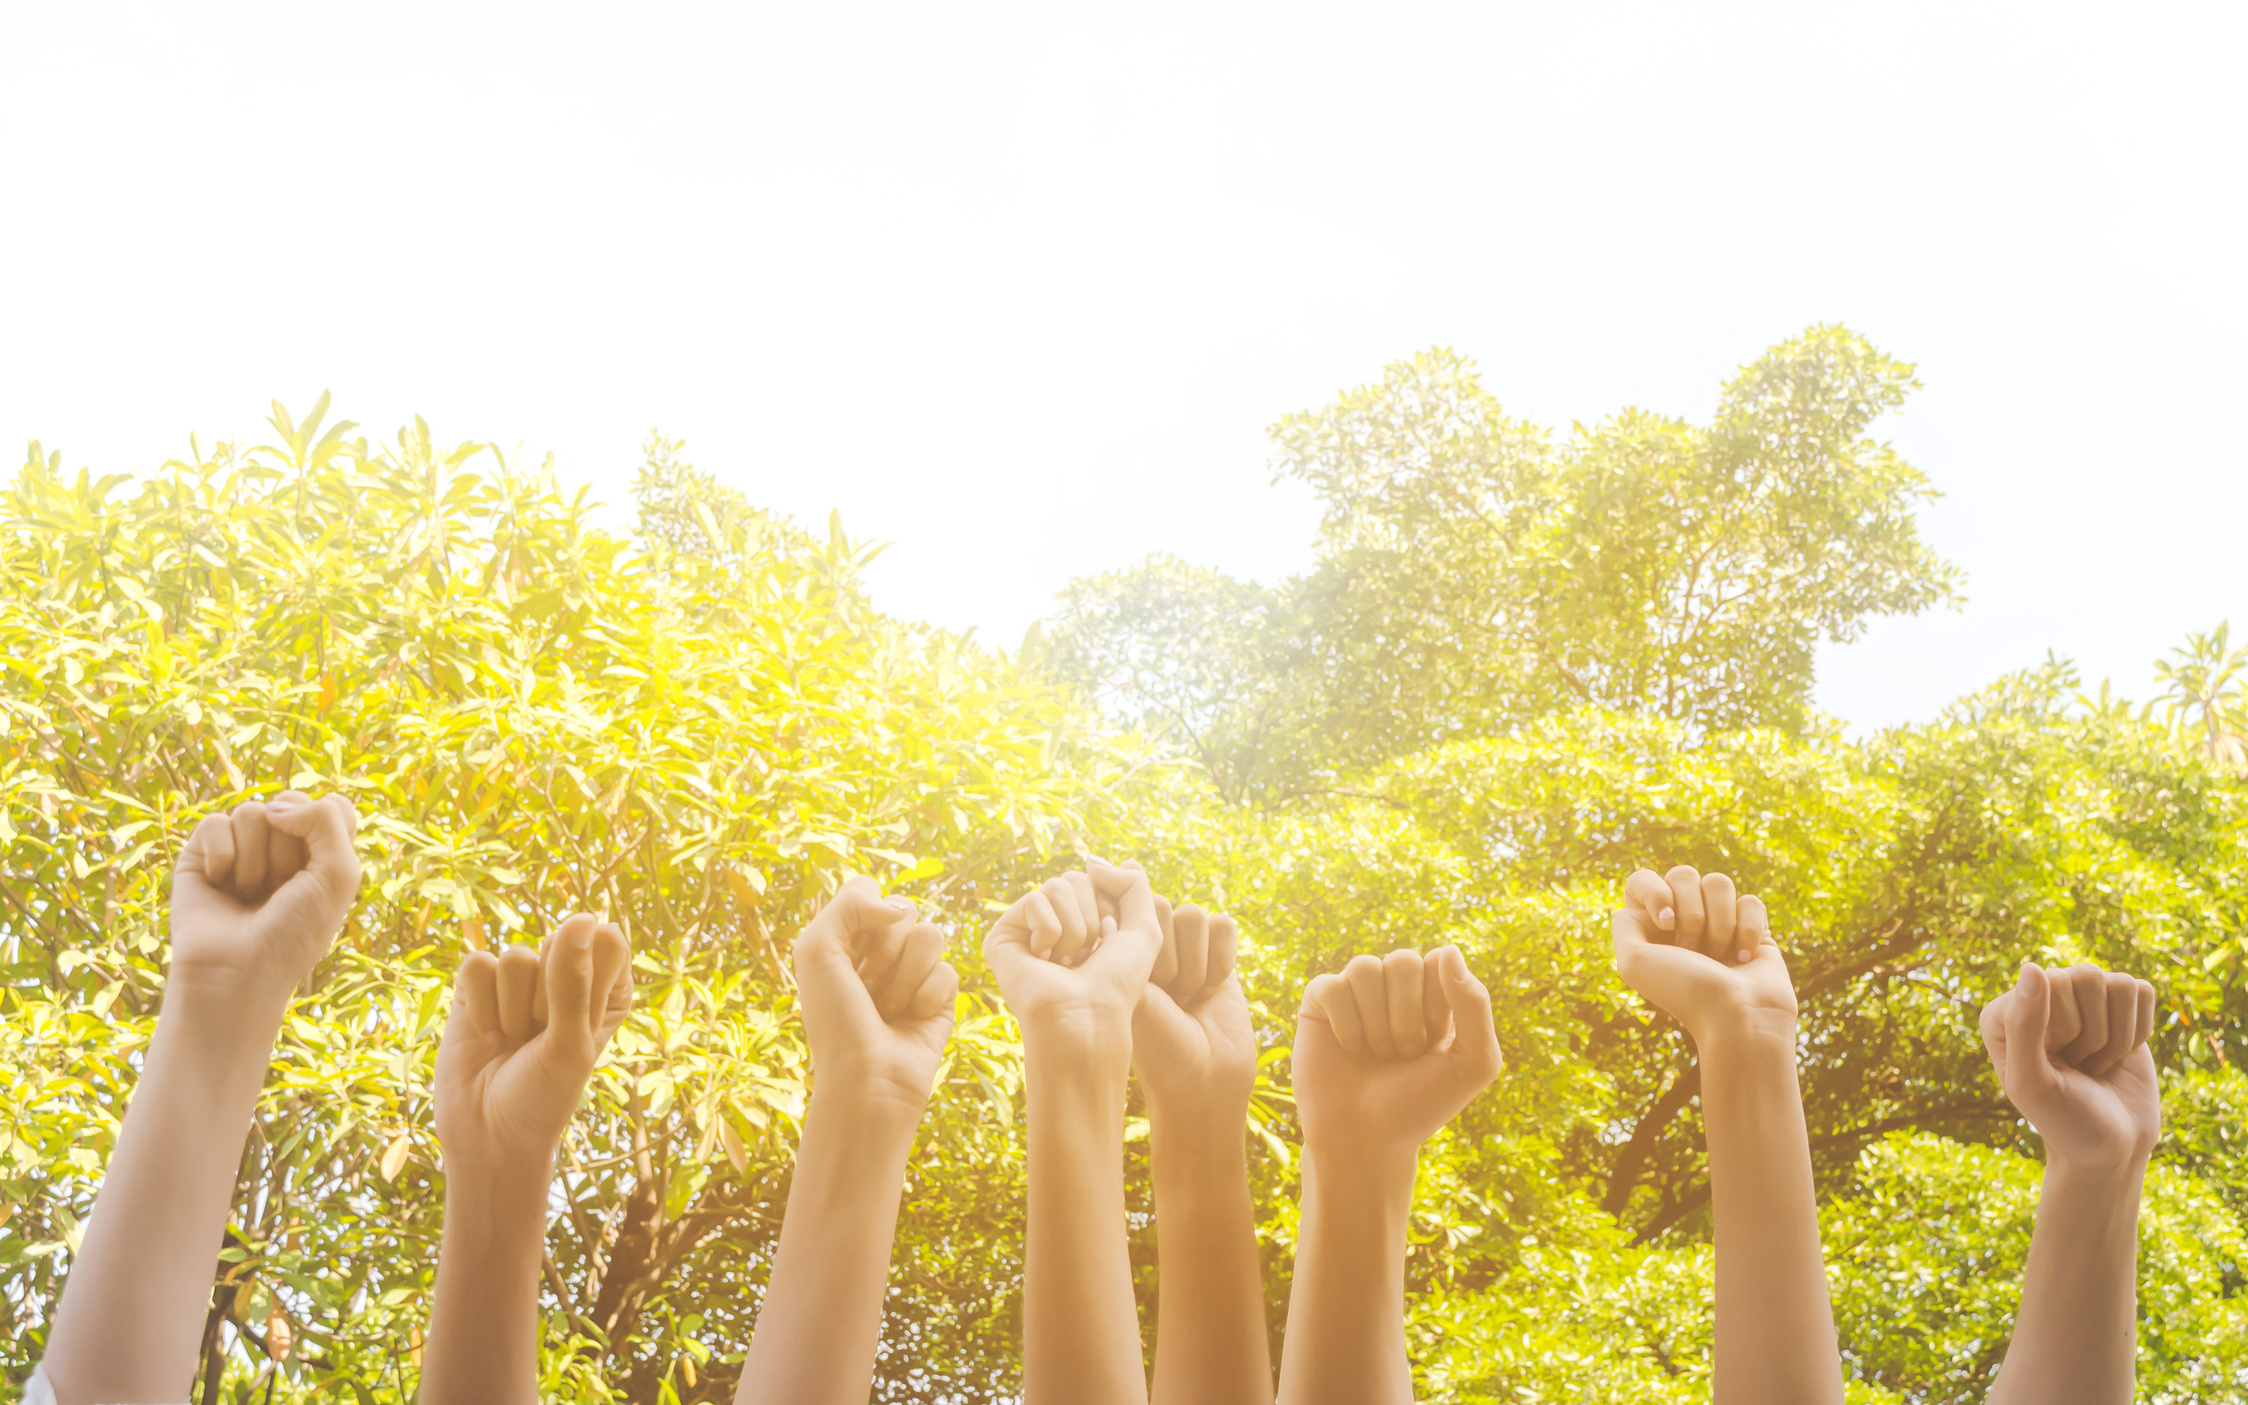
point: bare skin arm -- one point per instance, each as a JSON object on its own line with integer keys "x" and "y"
{"x": 1691, "y": 946}
{"x": 1197, "y": 1060}
{"x": 524, "y": 1033}
{"x": 256, "y": 899}
{"x": 1386, "y": 1054}
{"x": 877, "y": 998}
{"x": 1072, "y": 979}
{"x": 2070, "y": 1050}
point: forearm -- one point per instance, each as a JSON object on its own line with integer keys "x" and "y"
{"x": 1210, "y": 1329}
{"x": 130, "y": 1321}
{"x": 2076, "y": 1336}
{"x": 1081, "y": 1335}
{"x": 1775, "y": 1336}
{"x": 484, "y": 1323}
{"x": 1346, "y": 1308}
{"x": 821, "y": 1321}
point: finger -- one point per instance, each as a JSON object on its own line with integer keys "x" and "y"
{"x": 1649, "y": 897}
{"x": 1166, "y": 968}
{"x": 612, "y": 979}
{"x": 476, "y": 990}
{"x": 328, "y": 828}
{"x": 1007, "y": 944}
{"x": 1475, "y": 1049}
{"x": 1225, "y": 952}
{"x": 538, "y": 991}
{"x": 1328, "y": 997}
{"x": 1126, "y": 888}
{"x": 2090, "y": 988}
{"x": 1719, "y": 912}
{"x": 569, "y": 989}
{"x": 1088, "y": 902}
{"x": 2063, "y": 1021}
{"x": 1061, "y": 899}
{"x": 284, "y": 851}
{"x": 923, "y": 949}
{"x": 935, "y": 994}
{"x": 1128, "y": 948}
{"x": 1686, "y": 899}
{"x": 838, "y": 932}
{"x": 2143, "y": 1022}
{"x": 1364, "y": 977}
{"x": 1044, "y": 924}
{"x": 878, "y": 938}
{"x": 519, "y": 973}
{"x": 2027, "y": 1016}
{"x": 2121, "y": 996}
{"x": 1192, "y": 926}
{"x": 1408, "y": 1020}
{"x": 1993, "y": 1024}
{"x": 1436, "y": 1010}
{"x": 249, "y": 850}
{"x": 1754, "y": 930}
{"x": 210, "y": 850}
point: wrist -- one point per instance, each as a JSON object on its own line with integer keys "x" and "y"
{"x": 217, "y": 1006}
{"x": 876, "y": 1092}
{"x": 1198, "y": 1142}
{"x": 496, "y": 1213}
{"x": 1203, "y": 1117}
{"x": 1092, "y": 1051}
{"x": 880, "y": 1113}
{"x": 1745, "y": 1033}
{"x": 2119, "y": 1176}
{"x": 1383, "y": 1171}
{"x": 496, "y": 1182}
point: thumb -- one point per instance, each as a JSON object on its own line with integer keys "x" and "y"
{"x": 569, "y": 990}
{"x": 2026, "y": 1017}
{"x": 322, "y": 891}
{"x": 1475, "y": 1040}
{"x": 828, "y": 948}
{"x": 1007, "y": 945}
{"x": 1129, "y": 946}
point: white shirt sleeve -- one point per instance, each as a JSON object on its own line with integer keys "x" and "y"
{"x": 36, "y": 1391}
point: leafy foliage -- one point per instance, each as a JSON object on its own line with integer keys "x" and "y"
{"x": 1473, "y": 572}
{"x": 700, "y": 728}
{"x": 536, "y": 718}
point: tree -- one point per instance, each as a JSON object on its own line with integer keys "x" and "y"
{"x": 698, "y": 738}
{"x": 1473, "y": 573}
{"x": 700, "y": 728}
{"x": 2209, "y": 692}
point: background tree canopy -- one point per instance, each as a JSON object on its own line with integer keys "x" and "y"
{"x": 1473, "y": 573}
{"x": 1520, "y": 668}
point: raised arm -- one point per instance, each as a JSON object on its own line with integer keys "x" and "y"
{"x": 520, "y": 1043}
{"x": 2070, "y": 1050}
{"x": 1197, "y": 1061}
{"x": 877, "y": 997}
{"x": 1688, "y": 944}
{"x": 257, "y": 897}
{"x": 1072, "y": 979}
{"x": 1386, "y": 1053}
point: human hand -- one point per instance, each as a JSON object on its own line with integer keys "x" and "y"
{"x": 877, "y": 996}
{"x": 260, "y": 893}
{"x": 1191, "y": 1041}
{"x": 1391, "y": 1049}
{"x": 525, "y": 1031}
{"x": 1072, "y": 974}
{"x": 2070, "y": 1050}
{"x": 1688, "y": 944}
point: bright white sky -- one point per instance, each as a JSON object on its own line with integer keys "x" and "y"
{"x": 1018, "y": 289}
